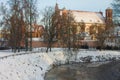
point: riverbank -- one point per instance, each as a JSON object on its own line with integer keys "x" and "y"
{"x": 34, "y": 65}
{"x": 86, "y": 71}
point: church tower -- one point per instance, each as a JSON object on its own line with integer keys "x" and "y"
{"x": 56, "y": 7}
{"x": 109, "y": 13}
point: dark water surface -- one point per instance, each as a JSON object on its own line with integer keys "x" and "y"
{"x": 86, "y": 71}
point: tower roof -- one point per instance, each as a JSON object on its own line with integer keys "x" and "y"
{"x": 56, "y": 6}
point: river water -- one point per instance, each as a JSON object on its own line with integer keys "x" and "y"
{"x": 86, "y": 71}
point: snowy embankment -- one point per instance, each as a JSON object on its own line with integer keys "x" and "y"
{"x": 33, "y": 66}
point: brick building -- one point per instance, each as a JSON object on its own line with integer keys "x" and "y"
{"x": 89, "y": 19}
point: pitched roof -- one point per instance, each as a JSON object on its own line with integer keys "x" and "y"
{"x": 87, "y": 16}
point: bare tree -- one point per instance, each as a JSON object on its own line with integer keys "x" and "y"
{"x": 4, "y": 22}
{"x": 19, "y": 20}
{"x": 80, "y": 33}
{"x": 67, "y": 30}
{"x": 101, "y": 32}
{"x": 29, "y": 16}
{"x": 49, "y": 19}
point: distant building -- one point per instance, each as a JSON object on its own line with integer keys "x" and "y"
{"x": 37, "y": 34}
{"x": 89, "y": 19}
{"x": 37, "y": 31}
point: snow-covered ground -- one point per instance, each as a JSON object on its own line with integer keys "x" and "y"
{"x": 32, "y": 66}
{"x": 5, "y": 53}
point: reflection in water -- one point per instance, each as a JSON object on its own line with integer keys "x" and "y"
{"x": 85, "y": 71}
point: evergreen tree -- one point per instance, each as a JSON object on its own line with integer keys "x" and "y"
{"x": 116, "y": 11}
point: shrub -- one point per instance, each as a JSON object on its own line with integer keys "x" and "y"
{"x": 86, "y": 59}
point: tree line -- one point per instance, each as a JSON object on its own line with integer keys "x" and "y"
{"x": 17, "y": 20}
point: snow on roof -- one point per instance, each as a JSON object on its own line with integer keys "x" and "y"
{"x": 109, "y": 8}
{"x": 88, "y": 17}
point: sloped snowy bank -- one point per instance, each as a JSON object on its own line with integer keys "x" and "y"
{"x": 33, "y": 66}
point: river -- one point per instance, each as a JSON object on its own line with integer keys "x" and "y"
{"x": 86, "y": 71}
